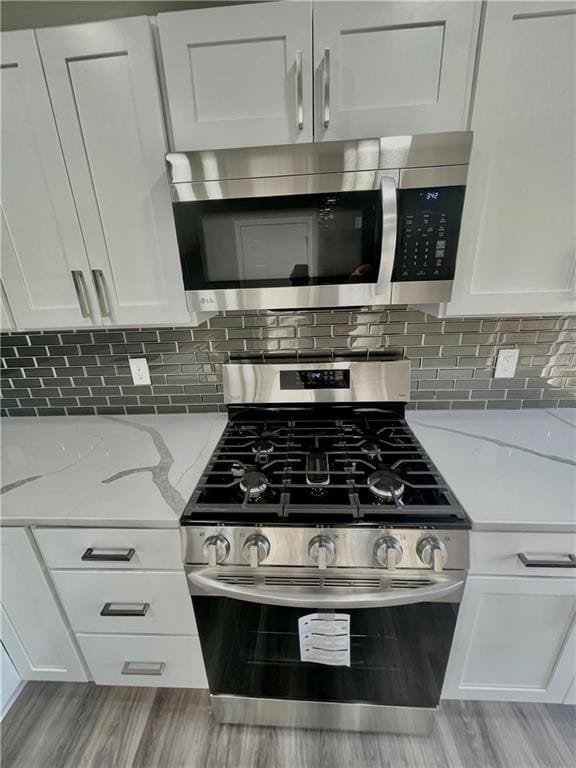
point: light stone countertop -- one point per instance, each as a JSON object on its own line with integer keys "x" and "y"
{"x": 103, "y": 470}
{"x": 512, "y": 470}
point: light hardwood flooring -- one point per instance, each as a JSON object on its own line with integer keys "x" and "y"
{"x": 57, "y": 725}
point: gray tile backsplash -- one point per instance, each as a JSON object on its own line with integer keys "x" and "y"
{"x": 86, "y": 372}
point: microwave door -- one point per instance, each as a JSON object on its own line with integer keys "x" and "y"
{"x": 299, "y": 249}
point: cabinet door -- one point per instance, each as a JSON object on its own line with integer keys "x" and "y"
{"x": 392, "y": 68}
{"x": 32, "y": 627}
{"x": 41, "y": 238}
{"x": 6, "y": 315}
{"x": 517, "y": 243}
{"x": 239, "y": 77}
{"x": 570, "y": 697}
{"x": 515, "y": 640}
{"x": 104, "y": 88}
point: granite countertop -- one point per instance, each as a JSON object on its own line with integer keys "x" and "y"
{"x": 103, "y": 470}
{"x": 513, "y": 470}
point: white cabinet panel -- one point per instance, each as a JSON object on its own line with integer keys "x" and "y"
{"x": 139, "y": 549}
{"x": 232, "y": 75}
{"x": 515, "y": 640}
{"x": 41, "y": 238}
{"x": 7, "y": 322}
{"x": 518, "y": 240}
{"x": 162, "y": 661}
{"x": 499, "y": 552}
{"x": 104, "y": 88}
{"x": 168, "y": 611}
{"x": 32, "y": 626}
{"x": 10, "y": 682}
{"x": 392, "y": 68}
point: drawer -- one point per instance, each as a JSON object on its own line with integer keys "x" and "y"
{"x": 141, "y": 660}
{"x": 492, "y": 552}
{"x": 123, "y": 548}
{"x": 148, "y": 603}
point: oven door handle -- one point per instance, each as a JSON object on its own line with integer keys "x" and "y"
{"x": 389, "y": 229}
{"x": 205, "y": 582}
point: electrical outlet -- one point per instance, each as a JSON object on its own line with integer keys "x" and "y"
{"x": 139, "y": 370}
{"x": 506, "y": 363}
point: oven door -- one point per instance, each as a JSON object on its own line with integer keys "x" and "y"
{"x": 400, "y": 638}
{"x": 292, "y": 241}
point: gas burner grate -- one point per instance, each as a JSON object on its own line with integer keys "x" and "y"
{"x": 328, "y": 469}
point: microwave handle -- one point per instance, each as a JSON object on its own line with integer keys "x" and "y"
{"x": 389, "y": 226}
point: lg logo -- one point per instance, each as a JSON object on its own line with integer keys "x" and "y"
{"x": 206, "y": 301}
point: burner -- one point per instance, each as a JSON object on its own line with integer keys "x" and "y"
{"x": 372, "y": 449}
{"x": 263, "y": 446}
{"x": 254, "y": 483}
{"x": 386, "y": 485}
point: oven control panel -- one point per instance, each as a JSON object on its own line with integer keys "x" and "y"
{"x": 392, "y": 549}
{"x": 428, "y": 230}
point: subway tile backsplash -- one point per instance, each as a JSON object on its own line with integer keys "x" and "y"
{"x": 86, "y": 372}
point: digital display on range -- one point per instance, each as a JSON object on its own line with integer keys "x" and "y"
{"x": 334, "y": 379}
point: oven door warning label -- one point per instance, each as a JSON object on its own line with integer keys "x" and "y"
{"x": 325, "y": 638}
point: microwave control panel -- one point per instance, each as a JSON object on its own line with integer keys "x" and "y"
{"x": 428, "y": 230}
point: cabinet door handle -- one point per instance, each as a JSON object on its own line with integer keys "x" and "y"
{"x": 144, "y": 668}
{"x": 326, "y": 87}
{"x": 562, "y": 561}
{"x": 100, "y": 285}
{"x": 299, "y": 99}
{"x": 125, "y": 609}
{"x": 109, "y": 555}
{"x": 81, "y": 292}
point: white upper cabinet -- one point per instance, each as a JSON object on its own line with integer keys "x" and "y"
{"x": 239, "y": 76}
{"x": 392, "y": 68}
{"x": 517, "y": 244}
{"x": 7, "y": 322}
{"x": 44, "y": 267}
{"x": 104, "y": 88}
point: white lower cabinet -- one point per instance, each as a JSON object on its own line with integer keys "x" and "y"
{"x": 515, "y": 640}
{"x": 134, "y": 602}
{"x": 123, "y": 549}
{"x": 125, "y": 594}
{"x": 144, "y": 660}
{"x": 32, "y": 626}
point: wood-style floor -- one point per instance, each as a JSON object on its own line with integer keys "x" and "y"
{"x": 57, "y": 725}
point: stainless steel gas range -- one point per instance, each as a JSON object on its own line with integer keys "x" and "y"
{"x": 325, "y": 554}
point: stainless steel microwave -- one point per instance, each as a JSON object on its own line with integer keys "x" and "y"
{"x": 332, "y": 224}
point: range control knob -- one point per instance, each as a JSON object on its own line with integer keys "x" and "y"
{"x": 322, "y": 551}
{"x": 216, "y": 550}
{"x": 388, "y": 552}
{"x": 432, "y": 552}
{"x": 256, "y": 549}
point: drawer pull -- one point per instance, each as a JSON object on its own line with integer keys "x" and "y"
{"x": 109, "y": 555}
{"x": 144, "y": 668}
{"x": 125, "y": 609}
{"x": 561, "y": 561}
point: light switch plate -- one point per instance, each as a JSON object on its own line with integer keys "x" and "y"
{"x": 139, "y": 370}
{"x": 506, "y": 363}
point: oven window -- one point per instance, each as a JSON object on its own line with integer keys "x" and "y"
{"x": 398, "y": 654}
{"x": 294, "y": 240}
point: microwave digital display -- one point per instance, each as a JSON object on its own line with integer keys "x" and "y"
{"x": 312, "y": 379}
